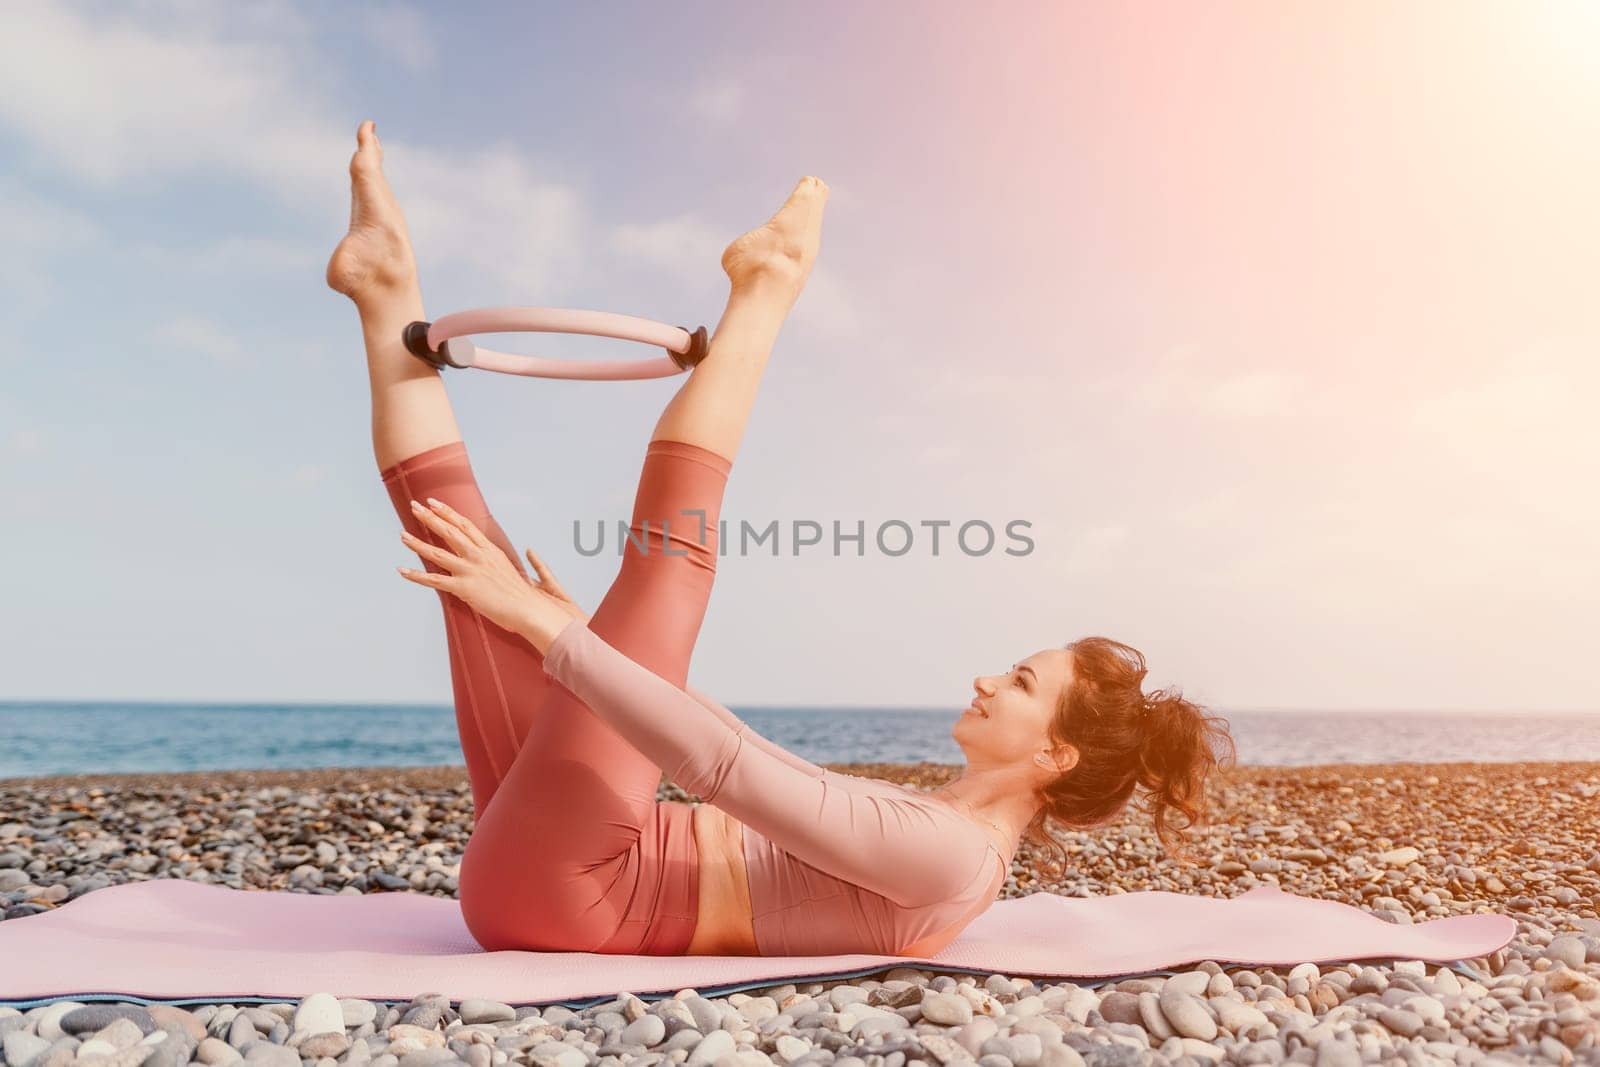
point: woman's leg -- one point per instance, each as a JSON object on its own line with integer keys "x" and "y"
{"x": 624, "y": 877}
{"x": 766, "y": 268}
{"x": 497, "y": 678}
{"x": 374, "y": 266}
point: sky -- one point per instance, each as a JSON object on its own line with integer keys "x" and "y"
{"x": 1276, "y": 325}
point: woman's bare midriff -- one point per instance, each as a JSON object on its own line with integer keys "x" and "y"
{"x": 724, "y": 925}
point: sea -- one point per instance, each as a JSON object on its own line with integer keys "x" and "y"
{"x": 54, "y": 738}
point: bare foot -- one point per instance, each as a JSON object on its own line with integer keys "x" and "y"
{"x": 782, "y": 249}
{"x": 375, "y": 256}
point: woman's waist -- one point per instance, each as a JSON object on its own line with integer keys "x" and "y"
{"x": 799, "y": 909}
{"x": 724, "y": 915}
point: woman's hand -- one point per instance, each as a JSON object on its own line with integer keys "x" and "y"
{"x": 481, "y": 575}
{"x": 548, "y": 584}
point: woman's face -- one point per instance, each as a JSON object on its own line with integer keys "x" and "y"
{"x": 1009, "y": 718}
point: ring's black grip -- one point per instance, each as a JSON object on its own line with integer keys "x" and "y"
{"x": 415, "y": 337}
{"x": 699, "y": 345}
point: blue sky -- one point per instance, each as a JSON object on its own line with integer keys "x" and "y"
{"x": 1273, "y": 328}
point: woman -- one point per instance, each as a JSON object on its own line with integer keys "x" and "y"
{"x": 567, "y": 721}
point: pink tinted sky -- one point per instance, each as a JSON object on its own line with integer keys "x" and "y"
{"x": 1277, "y": 321}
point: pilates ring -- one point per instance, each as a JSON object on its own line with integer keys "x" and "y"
{"x": 444, "y": 343}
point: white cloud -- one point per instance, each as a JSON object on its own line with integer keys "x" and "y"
{"x": 685, "y": 244}
{"x": 718, "y": 100}
{"x": 24, "y": 442}
{"x": 676, "y": 244}
{"x": 112, "y": 102}
{"x": 403, "y": 33}
{"x": 1189, "y": 377}
{"x": 1090, "y": 550}
{"x": 1253, "y": 393}
{"x": 1534, "y": 415}
{"x": 185, "y": 93}
{"x": 958, "y": 394}
{"x": 196, "y": 334}
{"x": 234, "y": 254}
{"x": 491, "y": 210}
{"x": 308, "y": 474}
{"x": 37, "y": 230}
{"x": 107, "y": 100}
{"x": 825, "y": 305}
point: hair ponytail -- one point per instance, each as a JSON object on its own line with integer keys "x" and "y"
{"x": 1127, "y": 739}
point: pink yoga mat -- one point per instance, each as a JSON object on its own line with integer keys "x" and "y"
{"x": 169, "y": 939}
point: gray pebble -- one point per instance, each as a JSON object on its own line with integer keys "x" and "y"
{"x": 266, "y": 1054}
{"x": 947, "y": 1009}
{"x": 358, "y": 1012}
{"x": 123, "y": 1033}
{"x": 427, "y": 1016}
{"x": 1113, "y": 1055}
{"x": 1187, "y": 1015}
{"x": 1335, "y": 1053}
{"x": 175, "y": 1051}
{"x": 707, "y": 1016}
{"x": 316, "y": 1046}
{"x": 789, "y": 1048}
{"x": 216, "y": 1053}
{"x": 319, "y": 1014}
{"x": 1569, "y": 949}
{"x": 557, "y": 1054}
{"x": 172, "y": 1017}
{"x": 21, "y": 1048}
{"x": 1060, "y": 1054}
{"x": 95, "y": 1017}
{"x": 475, "y": 1010}
{"x": 1403, "y": 1022}
{"x": 1023, "y": 1050}
{"x": 242, "y": 1032}
{"x": 262, "y": 1019}
{"x": 685, "y": 1039}
{"x": 427, "y": 1057}
{"x": 646, "y": 1030}
{"x": 712, "y": 1047}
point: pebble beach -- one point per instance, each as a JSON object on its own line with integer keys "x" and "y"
{"x": 1407, "y": 842}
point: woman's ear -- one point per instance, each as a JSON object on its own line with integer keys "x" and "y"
{"x": 1065, "y": 758}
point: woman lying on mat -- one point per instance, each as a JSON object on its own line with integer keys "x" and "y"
{"x": 568, "y": 720}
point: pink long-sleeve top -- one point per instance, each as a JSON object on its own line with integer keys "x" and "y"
{"x": 836, "y": 863}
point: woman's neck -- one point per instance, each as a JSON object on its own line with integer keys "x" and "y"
{"x": 995, "y": 796}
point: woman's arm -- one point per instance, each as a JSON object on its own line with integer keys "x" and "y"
{"x": 542, "y": 641}
{"x": 739, "y": 726}
{"x": 888, "y": 845}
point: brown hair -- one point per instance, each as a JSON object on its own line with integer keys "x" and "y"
{"x": 1127, "y": 738}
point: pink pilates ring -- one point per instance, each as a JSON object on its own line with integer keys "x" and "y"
{"x": 443, "y": 343}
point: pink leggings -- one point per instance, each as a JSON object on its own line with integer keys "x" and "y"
{"x": 571, "y": 851}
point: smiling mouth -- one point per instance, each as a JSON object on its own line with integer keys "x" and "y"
{"x": 980, "y": 711}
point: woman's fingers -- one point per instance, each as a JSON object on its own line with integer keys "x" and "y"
{"x": 538, "y": 568}
{"x": 545, "y": 577}
{"x": 447, "y": 560}
{"x": 446, "y": 529}
{"x": 427, "y": 578}
{"x": 461, "y": 522}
